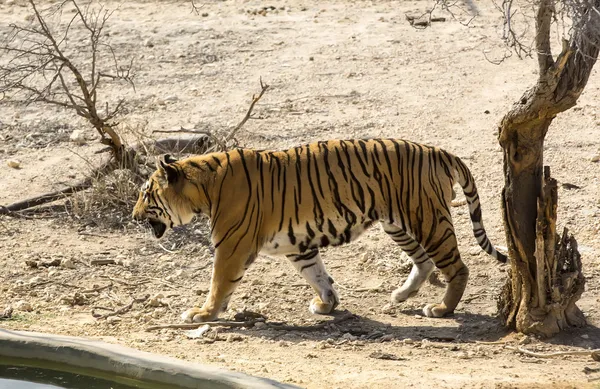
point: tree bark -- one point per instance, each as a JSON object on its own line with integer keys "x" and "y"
{"x": 546, "y": 278}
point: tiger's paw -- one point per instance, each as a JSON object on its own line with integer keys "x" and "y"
{"x": 197, "y": 315}
{"x": 436, "y": 310}
{"x": 317, "y": 306}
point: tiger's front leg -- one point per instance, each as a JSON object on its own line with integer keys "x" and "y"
{"x": 228, "y": 271}
{"x": 311, "y": 267}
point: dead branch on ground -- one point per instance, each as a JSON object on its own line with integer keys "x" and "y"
{"x": 524, "y": 351}
{"x": 252, "y": 322}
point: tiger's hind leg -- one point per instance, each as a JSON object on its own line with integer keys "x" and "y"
{"x": 422, "y": 264}
{"x": 446, "y": 257}
{"x": 311, "y": 267}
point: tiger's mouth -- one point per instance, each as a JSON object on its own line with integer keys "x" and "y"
{"x": 158, "y": 228}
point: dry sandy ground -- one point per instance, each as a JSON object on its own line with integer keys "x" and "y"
{"x": 337, "y": 69}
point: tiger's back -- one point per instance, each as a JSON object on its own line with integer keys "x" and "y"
{"x": 327, "y": 193}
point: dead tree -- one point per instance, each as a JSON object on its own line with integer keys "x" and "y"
{"x": 39, "y": 68}
{"x": 546, "y": 278}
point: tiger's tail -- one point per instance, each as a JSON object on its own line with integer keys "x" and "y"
{"x": 467, "y": 182}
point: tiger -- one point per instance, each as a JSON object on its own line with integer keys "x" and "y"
{"x": 292, "y": 203}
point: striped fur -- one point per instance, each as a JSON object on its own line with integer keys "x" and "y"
{"x": 294, "y": 202}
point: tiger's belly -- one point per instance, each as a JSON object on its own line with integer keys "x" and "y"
{"x": 299, "y": 240}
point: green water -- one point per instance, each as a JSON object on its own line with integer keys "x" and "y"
{"x": 24, "y": 377}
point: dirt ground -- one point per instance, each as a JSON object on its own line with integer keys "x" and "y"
{"x": 336, "y": 69}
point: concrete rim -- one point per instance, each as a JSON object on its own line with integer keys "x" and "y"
{"x": 116, "y": 360}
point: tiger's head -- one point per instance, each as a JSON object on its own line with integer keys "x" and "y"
{"x": 162, "y": 201}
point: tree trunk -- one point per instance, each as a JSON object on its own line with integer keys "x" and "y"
{"x": 545, "y": 278}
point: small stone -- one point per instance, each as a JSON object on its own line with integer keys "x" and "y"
{"x": 387, "y": 338}
{"x": 77, "y": 137}
{"x": 205, "y": 14}
{"x": 463, "y": 355}
{"x": 34, "y": 280}
{"x": 13, "y": 163}
{"x": 23, "y": 306}
{"x": 408, "y": 341}
{"x": 419, "y": 317}
{"x": 171, "y": 99}
{"x": 585, "y": 336}
{"x": 388, "y": 309}
{"x": 349, "y": 336}
{"x": 198, "y": 332}
{"x": 596, "y": 158}
{"x": 260, "y": 325}
{"x": 67, "y": 263}
{"x": 148, "y": 43}
{"x": 234, "y": 338}
{"x": 112, "y": 320}
{"x": 155, "y": 301}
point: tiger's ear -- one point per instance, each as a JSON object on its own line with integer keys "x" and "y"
{"x": 165, "y": 165}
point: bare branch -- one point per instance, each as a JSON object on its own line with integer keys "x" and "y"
{"x": 255, "y": 99}
{"x": 543, "y": 21}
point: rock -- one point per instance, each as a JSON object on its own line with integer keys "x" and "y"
{"x": 198, "y": 332}
{"x": 596, "y": 158}
{"x": 171, "y": 99}
{"x": 148, "y": 43}
{"x": 67, "y": 263}
{"x": 234, "y": 338}
{"x": 349, "y": 336}
{"x": 388, "y": 309}
{"x": 23, "y": 306}
{"x": 13, "y": 163}
{"x": 112, "y": 320}
{"x": 156, "y": 301}
{"x": 260, "y": 325}
{"x": 77, "y": 137}
{"x": 408, "y": 341}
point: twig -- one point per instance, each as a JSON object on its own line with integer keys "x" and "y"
{"x": 125, "y": 282}
{"x": 167, "y": 250}
{"x": 359, "y": 290}
{"x": 314, "y": 327}
{"x": 191, "y": 326}
{"x": 255, "y": 99}
{"x": 96, "y": 289}
{"x": 490, "y": 343}
{"x": 101, "y": 262}
{"x": 553, "y": 354}
{"x": 122, "y": 310}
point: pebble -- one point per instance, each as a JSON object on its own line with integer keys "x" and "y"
{"x": 156, "y": 301}
{"x": 596, "y": 158}
{"x": 259, "y": 325}
{"x": 198, "y": 332}
{"x": 23, "y": 306}
{"x": 349, "y": 336}
{"x": 67, "y": 263}
{"x": 13, "y": 163}
{"x": 77, "y": 137}
{"x": 234, "y": 338}
{"x": 148, "y": 43}
{"x": 113, "y": 320}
